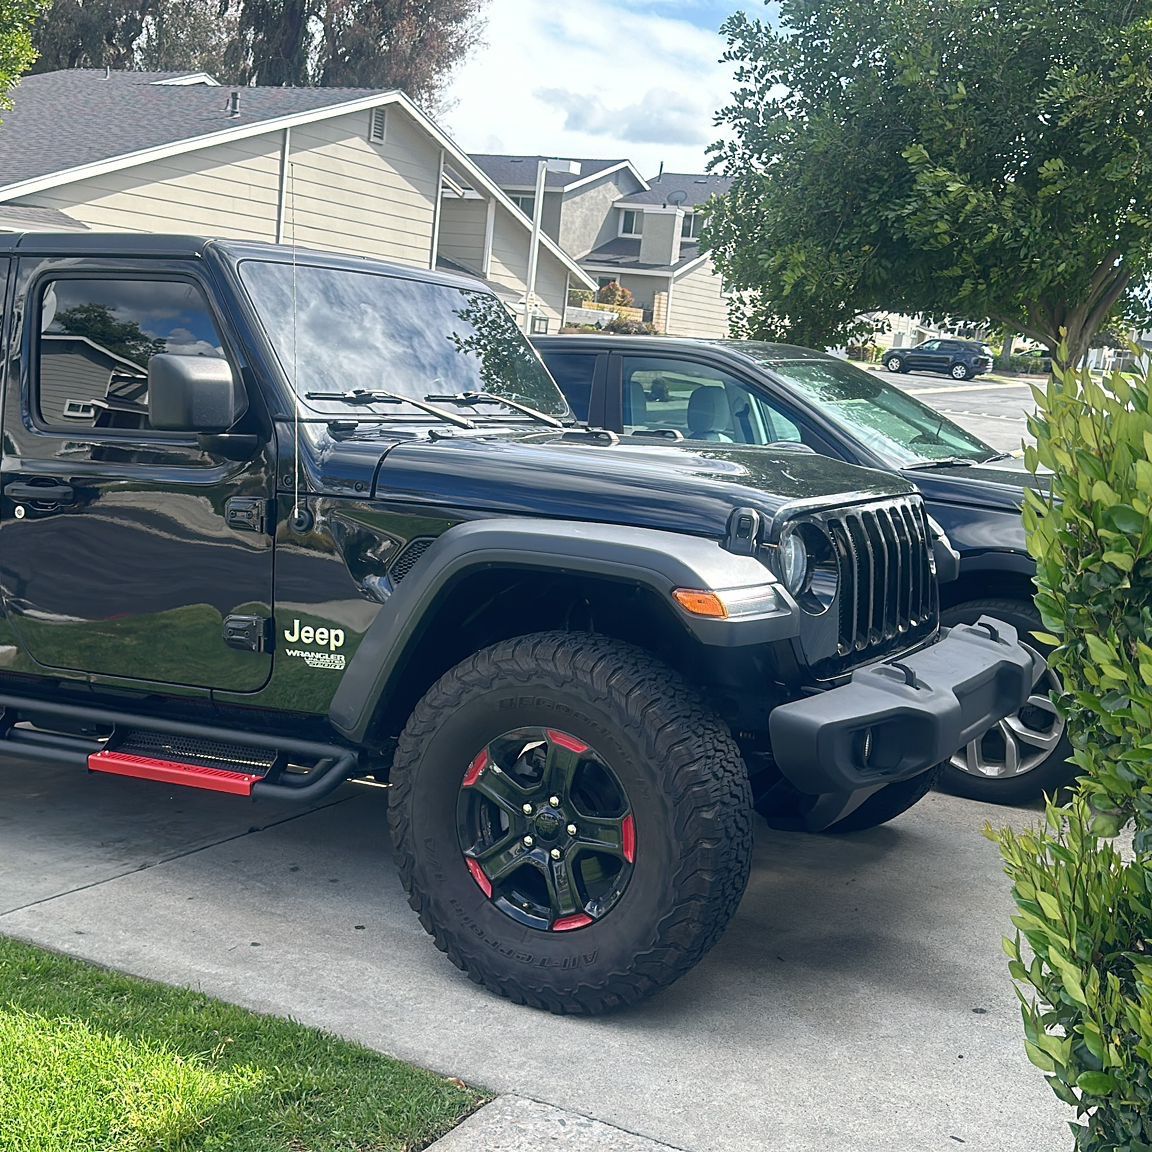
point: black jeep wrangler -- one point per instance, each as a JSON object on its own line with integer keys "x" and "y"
{"x": 275, "y": 520}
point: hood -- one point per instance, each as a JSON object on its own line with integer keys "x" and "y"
{"x": 651, "y": 486}
{"x": 997, "y": 484}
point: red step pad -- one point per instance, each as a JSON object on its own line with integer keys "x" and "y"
{"x": 173, "y": 772}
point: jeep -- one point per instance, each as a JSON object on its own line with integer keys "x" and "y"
{"x": 275, "y": 520}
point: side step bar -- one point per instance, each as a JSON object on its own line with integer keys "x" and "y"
{"x": 138, "y": 746}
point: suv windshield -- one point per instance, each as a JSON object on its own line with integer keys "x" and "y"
{"x": 341, "y": 330}
{"x": 896, "y": 426}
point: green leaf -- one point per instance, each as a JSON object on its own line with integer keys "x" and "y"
{"x": 1125, "y": 518}
{"x": 1038, "y": 1057}
{"x": 1096, "y": 1083}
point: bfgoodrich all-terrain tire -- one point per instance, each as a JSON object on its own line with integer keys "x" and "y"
{"x": 571, "y": 824}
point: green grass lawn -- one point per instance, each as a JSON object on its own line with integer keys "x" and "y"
{"x": 91, "y": 1061}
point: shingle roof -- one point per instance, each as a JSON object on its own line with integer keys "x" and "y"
{"x": 624, "y": 253}
{"x": 696, "y": 188}
{"x": 66, "y": 119}
{"x": 520, "y": 171}
{"x": 38, "y": 218}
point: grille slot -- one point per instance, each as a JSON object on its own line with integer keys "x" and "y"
{"x": 887, "y": 591}
{"x": 409, "y": 555}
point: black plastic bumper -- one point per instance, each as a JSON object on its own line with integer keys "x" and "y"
{"x": 896, "y": 720}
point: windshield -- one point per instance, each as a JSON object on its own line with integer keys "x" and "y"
{"x": 354, "y": 330}
{"x": 896, "y": 426}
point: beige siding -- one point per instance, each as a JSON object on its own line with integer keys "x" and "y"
{"x": 511, "y": 243}
{"x": 462, "y": 226}
{"x": 698, "y": 306}
{"x": 228, "y": 190}
{"x": 350, "y": 195}
{"x": 347, "y": 194}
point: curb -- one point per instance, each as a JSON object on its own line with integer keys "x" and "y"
{"x": 516, "y": 1124}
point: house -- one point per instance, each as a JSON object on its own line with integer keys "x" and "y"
{"x": 641, "y": 233}
{"x": 345, "y": 170}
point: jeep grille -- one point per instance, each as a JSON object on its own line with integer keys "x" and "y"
{"x": 887, "y": 600}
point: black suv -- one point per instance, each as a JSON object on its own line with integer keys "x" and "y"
{"x": 273, "y": 521}
{"x": 960, "y": 359}
{"x": 744, "y": 392}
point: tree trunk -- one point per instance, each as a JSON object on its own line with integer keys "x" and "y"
{"x": 1004, "y": 360}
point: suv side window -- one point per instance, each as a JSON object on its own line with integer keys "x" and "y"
{"x": 931, "y": 346}
{"x": 94, "y": 341}
{"x": 698, "y": 401}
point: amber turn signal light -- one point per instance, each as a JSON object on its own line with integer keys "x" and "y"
{"x": 700, "y": 603}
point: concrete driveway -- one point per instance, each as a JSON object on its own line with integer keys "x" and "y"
{"x": 859, "y": 1001}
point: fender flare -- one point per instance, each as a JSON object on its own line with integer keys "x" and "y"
{"x": 657, "y": 560}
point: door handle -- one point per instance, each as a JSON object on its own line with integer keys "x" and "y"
{"x": 41, "y": 493}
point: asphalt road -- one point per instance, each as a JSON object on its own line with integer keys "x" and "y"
{"x": 995, "y": 412}
{"x": 859, "y": 1000}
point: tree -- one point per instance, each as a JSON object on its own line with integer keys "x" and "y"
{"x": 991, "y": 160}
{"x": 407, "y": 44}
{"x": 16, "y": 51}
{"x": 120, "y": 337}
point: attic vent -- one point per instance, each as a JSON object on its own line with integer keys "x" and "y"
{"x": 377, "y": 125}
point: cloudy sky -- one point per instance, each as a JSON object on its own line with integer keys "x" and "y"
{"x": 627, "y": 79}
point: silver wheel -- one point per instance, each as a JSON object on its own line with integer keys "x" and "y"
{"x": 959, "y": 372}
{"x": 1020, "y": 743}
{"x": 893, "y": 365}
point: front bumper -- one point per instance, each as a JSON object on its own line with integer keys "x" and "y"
{"x": 896, "y": 720}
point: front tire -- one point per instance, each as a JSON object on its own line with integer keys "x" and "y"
{"x": 895, "y": 364}
{"x": 571, "y": 825}
{"x": 1025, "y": 755}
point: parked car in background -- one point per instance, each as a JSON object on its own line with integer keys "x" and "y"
{"x": 745, "y": 392}
{"x": 960, "y": 359}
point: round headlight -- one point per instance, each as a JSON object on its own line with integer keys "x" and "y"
{"x": 794, "y": 563}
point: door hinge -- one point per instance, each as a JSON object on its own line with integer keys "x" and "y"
{"x": 248, "y": 633}
{"x": 248, "y": 514}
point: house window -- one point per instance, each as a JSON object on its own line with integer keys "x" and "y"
{"x": 378, "y": 125}
{"x": 96, "y": 338}
{"x": 631, "y": 223}
{"x": 690, "y": 229}
{"x": 526, "y": 204}
{"x": 539, "y": 325}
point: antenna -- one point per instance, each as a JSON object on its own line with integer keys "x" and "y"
{"x": 301, "y": 519}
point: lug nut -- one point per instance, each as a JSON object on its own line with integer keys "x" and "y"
{"x": 571, "y": 829}
{"x": 554, "y": 801}
{"x": 555, "y": 853}
{"x": 527, "y": 809}
{"x": 528, "y": 841}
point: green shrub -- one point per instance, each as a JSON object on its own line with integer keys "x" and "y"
{"x": 624, "y": 327}
{"x": 1085, "y": 909}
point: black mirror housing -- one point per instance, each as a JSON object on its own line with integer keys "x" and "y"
{"x": 192, "y": 394}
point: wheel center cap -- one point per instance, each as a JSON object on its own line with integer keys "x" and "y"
{"x": 549, "y": 824}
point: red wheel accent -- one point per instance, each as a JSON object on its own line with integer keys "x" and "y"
{"x": 566, "y": 741}
{"x": 479, "y": 877}
{"x": 475, "y": 768}
{"x": 628, "y": 839}
{"x": 568, "y": 923}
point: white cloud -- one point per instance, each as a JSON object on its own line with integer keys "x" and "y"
{"x": 611, "y": 79}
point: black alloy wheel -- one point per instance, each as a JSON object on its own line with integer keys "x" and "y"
{"x": 546, "y": 829}
{"x": 571, "y": 822}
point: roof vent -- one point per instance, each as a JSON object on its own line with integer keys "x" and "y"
{"x": 378, "y": 125}
{"x": 234, "y": 105}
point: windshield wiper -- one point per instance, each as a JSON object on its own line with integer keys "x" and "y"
{"x": 943, "y": 462}
{"x": 997, "y": 456}
{"x": 368, "y": 396}
{"x": 494, "y": 398}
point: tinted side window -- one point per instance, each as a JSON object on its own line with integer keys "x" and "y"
{"x": 573, "y": 371}
{"x": 96, "y": 337}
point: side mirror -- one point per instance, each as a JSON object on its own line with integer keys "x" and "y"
{"x": 192, "y": 394}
